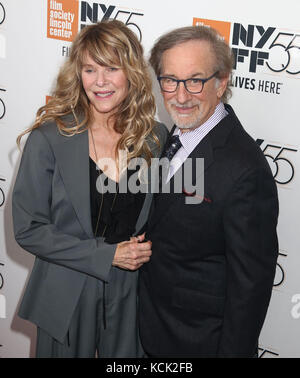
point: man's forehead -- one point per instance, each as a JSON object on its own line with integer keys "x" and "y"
{"x": 192, "y": 46}
{"x": 189, "y": 58}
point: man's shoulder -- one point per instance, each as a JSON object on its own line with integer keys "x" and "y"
{"x": 234, "y": 146}
{"x": 240, "y": 140}
{"x": 242, "y": 151}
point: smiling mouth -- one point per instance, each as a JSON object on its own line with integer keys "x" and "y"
{"x": 184, "y": 109}
{"x": 104, "y": 94}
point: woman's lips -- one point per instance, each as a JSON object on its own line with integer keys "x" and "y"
{"x": 106, "y": 94}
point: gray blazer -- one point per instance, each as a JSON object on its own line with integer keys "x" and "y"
{"x": 52, "y": 220}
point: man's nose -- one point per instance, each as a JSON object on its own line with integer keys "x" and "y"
{"x": 182, "y": 95}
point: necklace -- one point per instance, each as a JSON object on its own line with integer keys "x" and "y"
{"x": 102, "y": 196}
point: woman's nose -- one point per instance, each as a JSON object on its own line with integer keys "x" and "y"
{"x": 101, "y": 78}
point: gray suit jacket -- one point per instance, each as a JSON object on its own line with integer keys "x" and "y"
{"x": 52, "y": 220}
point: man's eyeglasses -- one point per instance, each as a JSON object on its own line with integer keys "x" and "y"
{"x": 193, "y": 85}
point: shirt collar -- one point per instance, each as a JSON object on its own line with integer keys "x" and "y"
{"x": 190, "y": 139}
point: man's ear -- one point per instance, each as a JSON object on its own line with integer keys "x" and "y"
{"x": 222, "y": 85}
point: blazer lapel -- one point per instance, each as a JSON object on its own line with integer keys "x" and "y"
{"x": 73, "y": 161}
{"x": 216, "y": 138}
{"x": 203, "y": 150}
{"x": 164, "y": 201}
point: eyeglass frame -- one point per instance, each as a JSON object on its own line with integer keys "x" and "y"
{"x": 184, "y": 82}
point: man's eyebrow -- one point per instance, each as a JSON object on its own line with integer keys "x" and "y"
{"x": 200, "y": 74}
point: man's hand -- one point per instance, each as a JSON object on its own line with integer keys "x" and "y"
{"x": 132, "y": 254}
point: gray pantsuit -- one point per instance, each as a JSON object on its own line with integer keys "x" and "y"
{"x": 52, "y": 220}
{"x": 86, "y": 333}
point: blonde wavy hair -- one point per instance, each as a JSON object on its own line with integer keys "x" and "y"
{"x": 109, "y": 43}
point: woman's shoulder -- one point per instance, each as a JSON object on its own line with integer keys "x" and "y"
{"x": 43, "y": 138}
{"x": 47, "y": 128}
{"x": 157, "y": 141}
{"x": 51, "y": 131}
{"x": 161, "y": 131}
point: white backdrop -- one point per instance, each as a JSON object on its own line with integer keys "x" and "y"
{"x": 266, "y": 39}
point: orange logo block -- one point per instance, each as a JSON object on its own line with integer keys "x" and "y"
{"x": 222, "y": 27}
{"x": 62, "y": 19}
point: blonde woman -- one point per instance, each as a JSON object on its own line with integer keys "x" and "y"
{"x": 82, "y": 289}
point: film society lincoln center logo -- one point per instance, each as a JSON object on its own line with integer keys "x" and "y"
{"x": 66, "y": 17}
{"x": 62, "y": 20}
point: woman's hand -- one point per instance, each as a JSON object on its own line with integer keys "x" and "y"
{"x": 132, "y": 254}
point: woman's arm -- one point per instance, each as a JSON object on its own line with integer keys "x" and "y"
{"x": 32, "y": 220}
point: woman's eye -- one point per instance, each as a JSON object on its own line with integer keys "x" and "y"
{"x": 112, "y": 69}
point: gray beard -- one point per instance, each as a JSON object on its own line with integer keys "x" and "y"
{"x": 184, "y": 125}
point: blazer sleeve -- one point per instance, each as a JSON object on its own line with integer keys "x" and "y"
{"x": 162, "y": 133}
{"x": 31, "y": 207}
{"x": 250, "y": 222}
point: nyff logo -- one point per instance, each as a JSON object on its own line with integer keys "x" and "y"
{"x": 257, "y": 45}
{"x": 95, "y": 12}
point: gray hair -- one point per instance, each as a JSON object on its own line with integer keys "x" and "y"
{"x": 223, "y": 55}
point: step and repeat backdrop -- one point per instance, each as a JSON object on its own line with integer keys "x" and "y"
{"x": 35, "y": 39}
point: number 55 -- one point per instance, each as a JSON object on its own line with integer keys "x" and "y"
{"x": 131, "y": 23}
{"x": 281, "y": 164}
{"x": 285, "y": 53}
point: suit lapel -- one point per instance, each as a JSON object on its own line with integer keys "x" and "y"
{"x": 73, "y": 161}
{"x": 163, "y": 202}
{"x": 203, "y": 150}
{"x": 217, "y": 137}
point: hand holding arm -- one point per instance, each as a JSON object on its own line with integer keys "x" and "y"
{"x": 132, "y": 254}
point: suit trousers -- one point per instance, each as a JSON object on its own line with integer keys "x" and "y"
{"x": 87, "y": 337}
